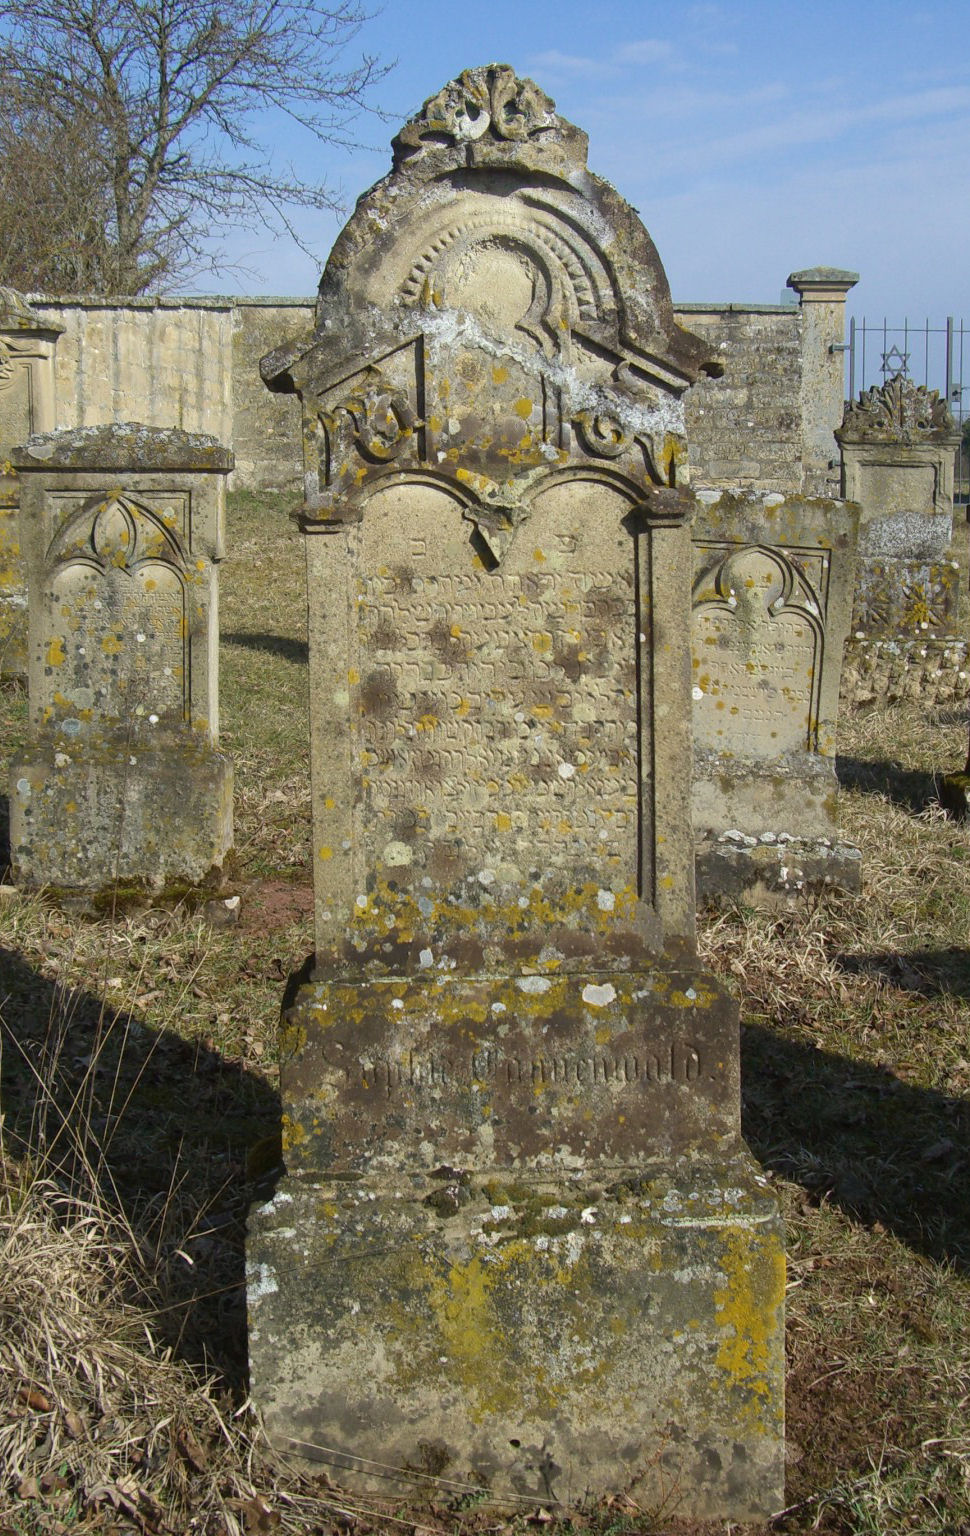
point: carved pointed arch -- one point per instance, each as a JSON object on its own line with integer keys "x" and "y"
{"x": 118, "y": 533}
{"x": 757, "y": 619}
{"x": 760, "y": 569}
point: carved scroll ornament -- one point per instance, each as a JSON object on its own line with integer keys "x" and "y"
{"x": 491, "y": 101}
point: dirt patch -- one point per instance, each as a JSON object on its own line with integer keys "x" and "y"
{"x": 268, "y": 905}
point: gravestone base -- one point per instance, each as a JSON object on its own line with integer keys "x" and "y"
{"x": 776, "y": 871}
{"x": 520, "y": 1245}
{"x": 87, "y": 814}
{"x": 547, "y": 1339}
{"x": 745, "y": 818}
{"x": 955, "y": 794}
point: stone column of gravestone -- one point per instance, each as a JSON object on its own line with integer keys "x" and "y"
{"x": 773, "y": 583}
{"x": 822, "y": 293}
{"x": 121, "y": 780}
{"x": 26, "y": 405}
{"x": 520, "y": 1246}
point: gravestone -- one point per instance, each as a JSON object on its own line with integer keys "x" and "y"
{"x": 27, "y": 345}
{"x": 122, "y": 780}
{"x": 520, "y": 1250}
{"x": 773, "y": 584}
{"x": 898, "y": 442}
{"x": 909, "y": 620}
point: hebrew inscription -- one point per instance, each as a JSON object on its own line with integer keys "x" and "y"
{"x": 756, "y": 659}
{"x": 499, "y": 709}
{"x": 116, "y": 635}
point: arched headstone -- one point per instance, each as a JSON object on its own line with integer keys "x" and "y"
{"x": 520, "y": 1245}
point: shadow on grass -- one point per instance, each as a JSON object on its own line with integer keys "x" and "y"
{"x": 4, "y": 836}
{"x": 275, "y": 645}
{"x": 912, "y": 789}
{"x": 856, "y": 1135}
{"x": 153, "y": 1127}
{"x": 927, "y": 972}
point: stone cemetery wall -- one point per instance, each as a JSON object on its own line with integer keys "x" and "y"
{"x": 191, "y": 363}
{"x": 519, "y": 1243}
{"x": 773, "y": 583}
{"x": 121, "y": 780}
{"x": 27, "y": 343}
{"x": 194, "y": 363}
{"x": 908, "y": 635}
{"x": 744, "y": 429}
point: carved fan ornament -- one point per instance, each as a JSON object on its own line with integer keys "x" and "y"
{"x": 897, "y": 411}
{"x": 491, "y": 313}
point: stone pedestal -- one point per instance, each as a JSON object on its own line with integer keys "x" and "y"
{"x": 520, "y": 1249}
{"x": 26, "y": 405}
{"x": 122, "y": 781}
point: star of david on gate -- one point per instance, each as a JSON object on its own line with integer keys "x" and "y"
{"x": 895, "y": 361}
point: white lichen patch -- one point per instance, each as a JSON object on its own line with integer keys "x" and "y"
{"x": 533, "y": 984}
{"x": 597, "y": 996}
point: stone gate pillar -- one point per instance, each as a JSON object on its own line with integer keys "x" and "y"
{"x": 520, "y": 1244}
{"x": 822, "y": 293}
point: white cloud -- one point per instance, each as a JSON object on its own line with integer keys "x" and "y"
{"x": 576, "y": 65}
{"x": 649, "y": 50}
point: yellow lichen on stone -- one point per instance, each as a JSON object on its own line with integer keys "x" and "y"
{"x": 747, "y": 1308}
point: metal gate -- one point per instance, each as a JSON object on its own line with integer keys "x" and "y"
{"x": 934, "y": 355}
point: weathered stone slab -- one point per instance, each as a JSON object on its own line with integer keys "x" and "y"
{"x": 122, "y": 780}
{"x": 528, "y": 1339}
{"x": 27, "y": 343}
{"x": 511, "y": 1106}
{"x": 772, "y": 592}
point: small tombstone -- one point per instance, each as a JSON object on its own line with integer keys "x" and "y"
{"x": 122, "y": 780}
{"x": 520, "y": 1246}
{"x": 27, "y": 345}
{"x": 773, "y": 578}
{"x": 898, "y": 442}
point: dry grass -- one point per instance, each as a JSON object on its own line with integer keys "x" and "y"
{"x": 137, "y": 1089}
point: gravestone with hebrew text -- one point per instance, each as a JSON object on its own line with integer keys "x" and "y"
{"x": 121, "y": 780}
{"x": 520, "y": 1250}
{"x": 772, "y": 596}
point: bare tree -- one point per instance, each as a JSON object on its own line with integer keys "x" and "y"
{"x": 53, "y": 216}
{"x": 129, "y": 130}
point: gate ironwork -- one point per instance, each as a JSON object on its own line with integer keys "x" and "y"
{"x": 937, "y": 356}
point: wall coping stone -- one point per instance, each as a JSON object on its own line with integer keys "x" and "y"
{"x": 736, "y": 309}
{"x": 291, "y": 301}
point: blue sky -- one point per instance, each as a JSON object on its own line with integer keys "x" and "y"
{"x": 754, "y": 138}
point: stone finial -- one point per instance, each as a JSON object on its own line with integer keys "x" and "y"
{"x": 491, "y": 108}
{"x": 898, "y": 411}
